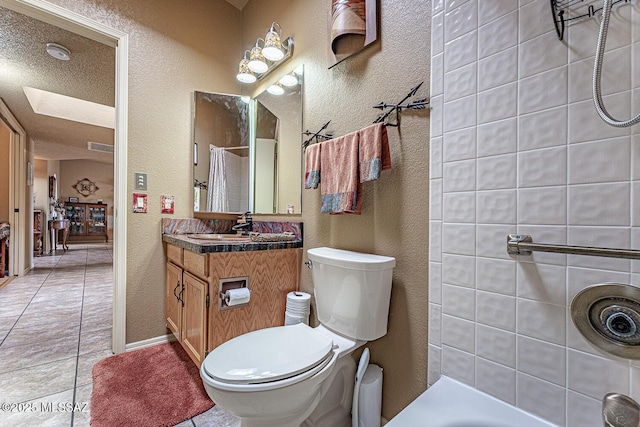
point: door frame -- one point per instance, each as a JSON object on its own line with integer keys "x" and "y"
{"x": 74, "y": 22}
{"x": 17, "y": 200}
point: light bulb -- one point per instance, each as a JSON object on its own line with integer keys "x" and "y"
{"x": 245, "y": 75}
{"x": 272, "y": 49}
{"x": 275, "y": 89}
{"x": 289, "y": 80}
{"x": 257, "y": 62}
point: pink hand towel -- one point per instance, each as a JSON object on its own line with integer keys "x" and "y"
{"x": 312, "y": 166}
{"x": 374, "y": 153}
{"x": 341, "y": 187}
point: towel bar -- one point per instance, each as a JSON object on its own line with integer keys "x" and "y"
{"x": 522, "y": 244}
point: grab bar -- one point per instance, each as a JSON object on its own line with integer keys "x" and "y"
{"x": 522, "y": 244}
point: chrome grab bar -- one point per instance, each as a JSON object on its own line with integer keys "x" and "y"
{"x": 522, "y": 244}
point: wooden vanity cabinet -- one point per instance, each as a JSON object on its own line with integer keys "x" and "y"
{"x": 186, "y": 302}
{"x": 194, "y": 317}
{"x": 192, "y": 289}
{"x": 173, "y": 299}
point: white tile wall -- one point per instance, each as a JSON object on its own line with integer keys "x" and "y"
{"x": 460, "y": 145}
{"x": 497, "y": 138}
{"x": 496, "y": 345}
{"x": 516, "y": 147}
{"x": 496, "y": 379}
{"x": 546, "y": 128}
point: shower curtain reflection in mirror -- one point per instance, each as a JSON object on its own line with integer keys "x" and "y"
{"x": 228, "y": 189}
{"x": 217, "y": 200}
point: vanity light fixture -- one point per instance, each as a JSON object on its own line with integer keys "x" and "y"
{"x": 266, "y": 56}
{"x": 257, "y": 62}
{"x": 276, "y": 89}
{"x": 289, "y": 79}
{"x": 245, "y": 75}
{"x": 58, "y": 51}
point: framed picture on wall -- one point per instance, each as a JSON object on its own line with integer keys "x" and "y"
{"x": 73, "y": 200}
{"x": 52, "y": 186}
{"x": 353, "y": 25}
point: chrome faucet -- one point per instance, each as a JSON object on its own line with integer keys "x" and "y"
{"x": 619, "y": 410}
{"x": 244, "y": 224}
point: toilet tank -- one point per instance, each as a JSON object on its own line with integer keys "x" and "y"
{"x": 352, "y": 291}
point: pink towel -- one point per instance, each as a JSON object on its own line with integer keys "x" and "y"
{"x": 374, "y": 155}
{"x": 341, "y": 187}
{"x": 312, "y": 166}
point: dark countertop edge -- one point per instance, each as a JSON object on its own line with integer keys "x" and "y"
{"x": 190, "y": 245}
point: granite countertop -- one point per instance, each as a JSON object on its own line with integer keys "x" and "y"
{"x": 211, "y": 246}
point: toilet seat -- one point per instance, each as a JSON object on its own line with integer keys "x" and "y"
{"x": 269, "y": 355}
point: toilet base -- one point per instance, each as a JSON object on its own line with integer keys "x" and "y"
{"x": 334, "y": 410}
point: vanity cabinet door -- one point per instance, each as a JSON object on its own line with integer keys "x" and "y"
{"x": 173, "y": 299}
{"x": 194, "y": 318}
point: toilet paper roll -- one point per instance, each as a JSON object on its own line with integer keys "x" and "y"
{"x": 298, "y": 297}
{"x": 298, "y": 302}
{"x": 237, "y": 296}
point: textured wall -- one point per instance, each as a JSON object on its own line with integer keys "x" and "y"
{"x": 101, "y": 173}
{"x": 173, "y": 50}
{"x": 395, "y": 211}
{"x": 41, "y": 186}
{"x": 517, "y": 147}
{"x": 5, "y": 142}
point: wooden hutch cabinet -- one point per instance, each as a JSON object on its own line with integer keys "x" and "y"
{"x": 87, "y": 221}
{"x": 38, "y": 232}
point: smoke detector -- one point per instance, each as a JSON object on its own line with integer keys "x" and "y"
{"x": 58, "y": 51}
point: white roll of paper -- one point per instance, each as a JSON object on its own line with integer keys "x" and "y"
{"x": 237, "y": 296}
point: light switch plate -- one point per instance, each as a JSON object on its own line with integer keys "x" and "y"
{"x": 140, "y": 181}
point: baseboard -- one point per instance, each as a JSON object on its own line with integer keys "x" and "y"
{"x": 149, "y": 342}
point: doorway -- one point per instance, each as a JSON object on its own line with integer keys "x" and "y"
{"x": 70, "y": 21}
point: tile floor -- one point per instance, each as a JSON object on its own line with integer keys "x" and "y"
{"x": 55, "y": 324}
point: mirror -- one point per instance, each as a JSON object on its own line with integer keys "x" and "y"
{"x": 221, "y": 139}
{"x": 278, "y": 148}
{"x": 250, "y": 151}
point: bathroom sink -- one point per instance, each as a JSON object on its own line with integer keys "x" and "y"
{"x": 230, "y": 238}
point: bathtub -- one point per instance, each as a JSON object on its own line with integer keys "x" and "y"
{"x": 449, "y": 403}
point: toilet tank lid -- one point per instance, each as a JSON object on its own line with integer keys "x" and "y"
{"x": 351, "y": 260}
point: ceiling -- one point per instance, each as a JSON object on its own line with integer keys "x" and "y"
{"x": 89, "y": 75}
{"x": 238, "y": 3}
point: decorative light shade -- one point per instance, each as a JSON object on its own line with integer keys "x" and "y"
{"x": 275, "y": 89}
{"x": 289, "y": 80}
{"x": 272, "y": 49}
{"x": 257, "y": 63}
{"x": 245, "y": 75}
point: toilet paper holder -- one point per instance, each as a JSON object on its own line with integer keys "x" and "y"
{"x": 227, "y": 284}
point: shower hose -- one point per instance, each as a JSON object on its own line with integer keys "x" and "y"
{"x": 597, "y": 72}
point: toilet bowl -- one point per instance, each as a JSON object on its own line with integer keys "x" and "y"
{"x": 289, "y": 375}
{"x": 276, "y": 376}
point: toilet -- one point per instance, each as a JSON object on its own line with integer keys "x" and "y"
{"x": 288, "y": 376}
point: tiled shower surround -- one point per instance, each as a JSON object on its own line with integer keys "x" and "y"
{"x": 517, "y": 147}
